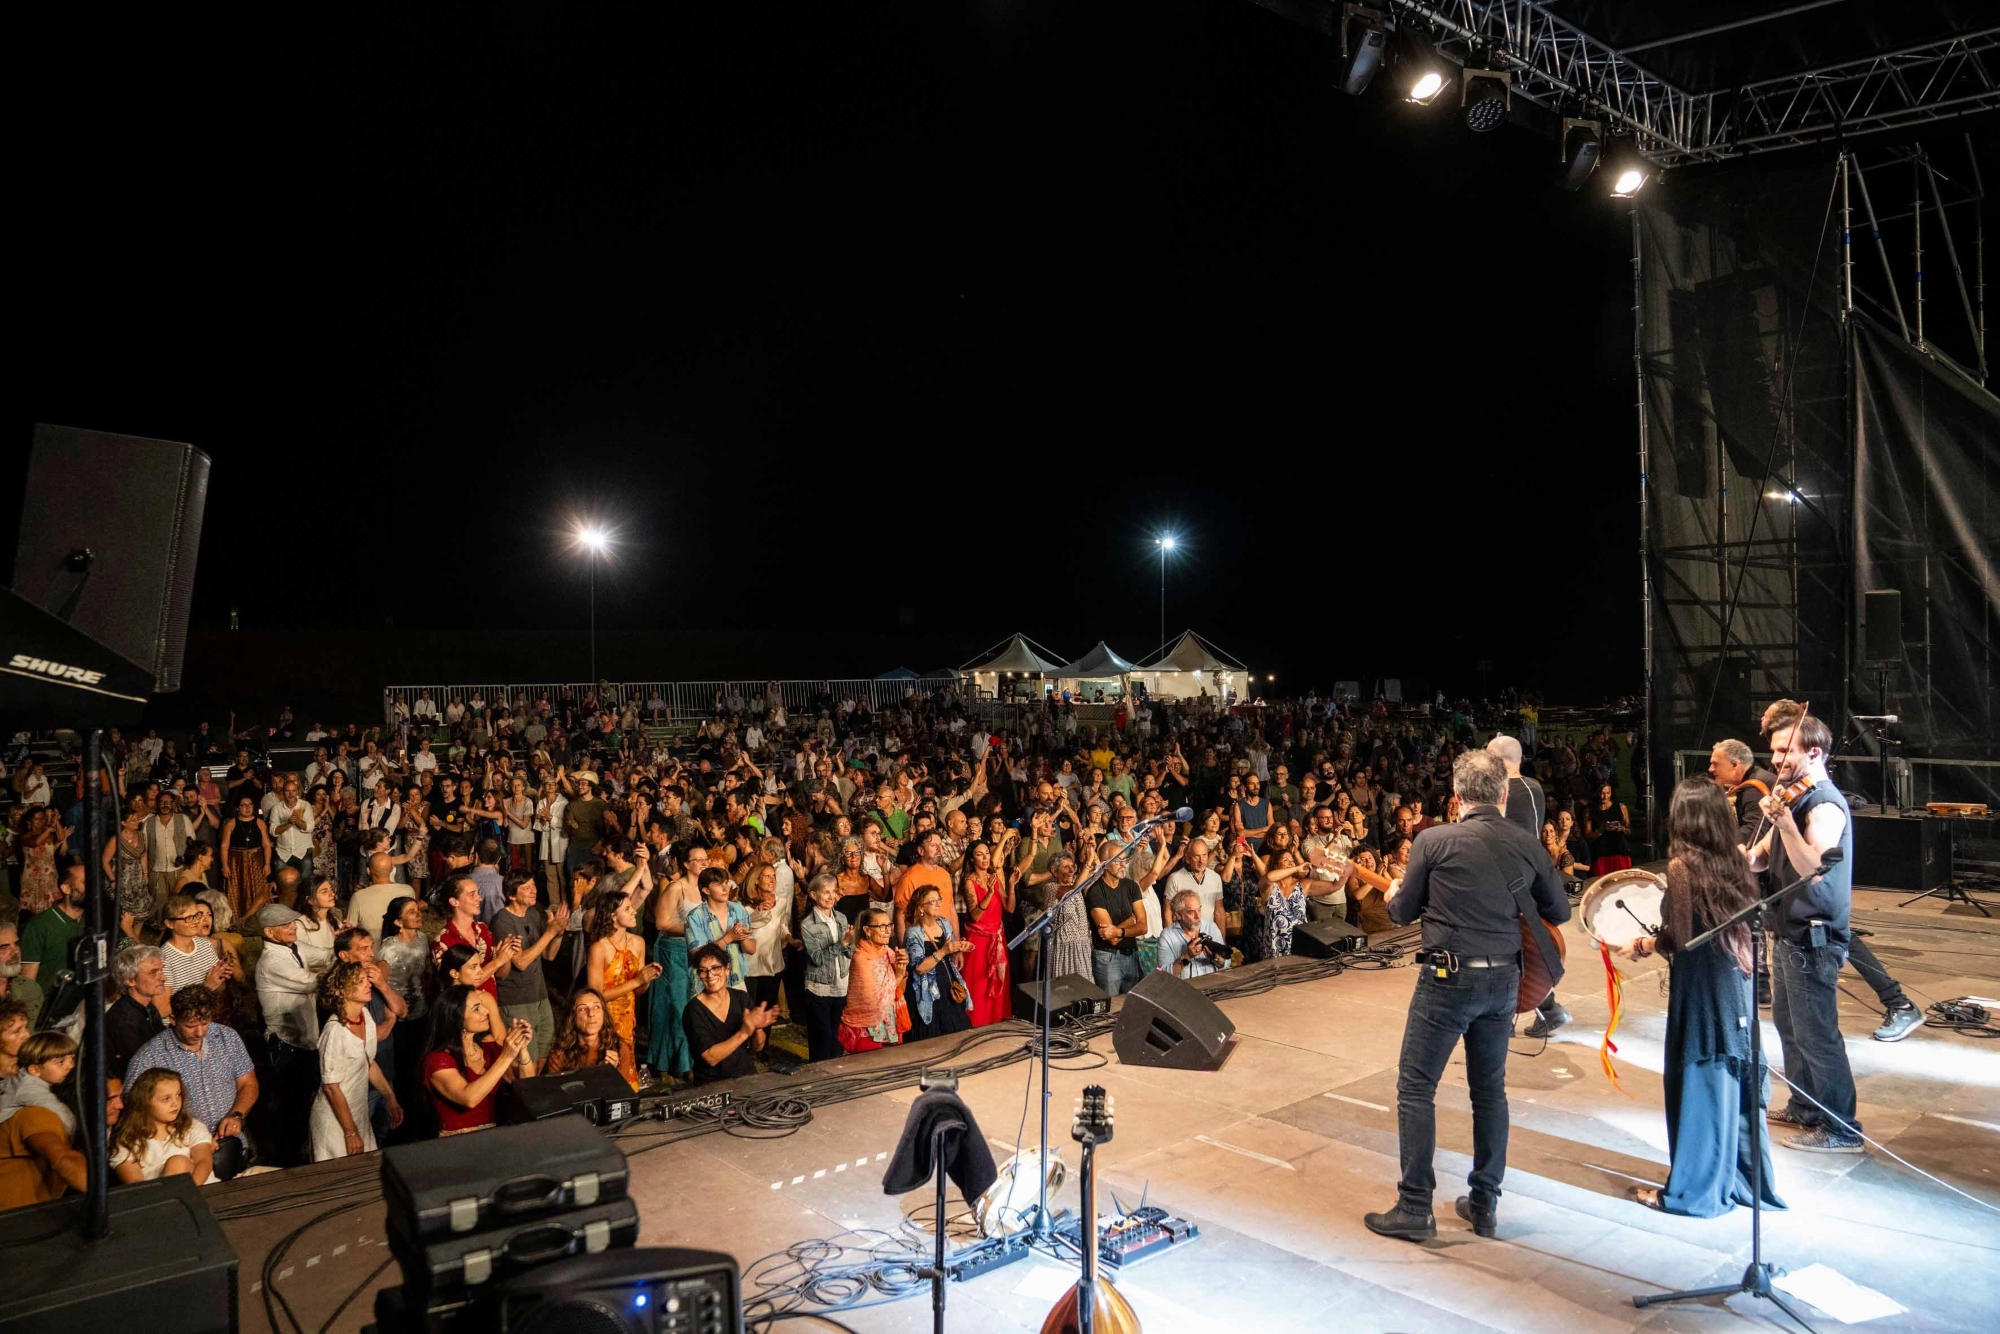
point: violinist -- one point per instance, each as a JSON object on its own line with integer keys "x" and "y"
{"x": 1805, "y": 818}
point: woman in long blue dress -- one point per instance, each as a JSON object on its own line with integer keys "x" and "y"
{"x": 1715, "y": 1102}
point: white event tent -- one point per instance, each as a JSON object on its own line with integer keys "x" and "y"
{"x": 1191, "y": 665}
{"x": 1016, "y": 659}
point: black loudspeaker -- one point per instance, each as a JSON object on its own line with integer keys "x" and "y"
{"x": 1325, "y": 940}
{"x": 1903, "y": 852}
{"x": 1166, "y": 1023}
{"x": 597, "y": 1091}
{"x": 110, "y": 526}
{"x": 166, "y": 1265}
{"x": 1069, "y": 994}
{"x": 1725, "y": 682}
{"x": 1882, "y": 609}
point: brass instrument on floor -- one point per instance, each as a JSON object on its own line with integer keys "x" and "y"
{"x": 1093, "y": 1306}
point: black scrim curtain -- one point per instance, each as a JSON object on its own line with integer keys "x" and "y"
{"x": 1926, "y": 509}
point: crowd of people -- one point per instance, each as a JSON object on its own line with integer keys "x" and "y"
{"x": 312, "y": 962}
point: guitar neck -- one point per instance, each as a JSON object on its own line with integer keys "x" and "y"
{"x": 1089, "y": 1218}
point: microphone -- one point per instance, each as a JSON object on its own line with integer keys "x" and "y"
{"x": 1831, "y": 858}
{"x": 1184, "y": 815}
{"x": 1884, "y": 718}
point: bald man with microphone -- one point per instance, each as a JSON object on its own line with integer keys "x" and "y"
{"x": 1527, "y": 806}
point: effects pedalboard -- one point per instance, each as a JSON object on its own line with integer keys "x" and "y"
{"x": 1138, "y": 1235}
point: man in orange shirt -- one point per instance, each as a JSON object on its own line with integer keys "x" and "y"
{"x": 927, "y": 872}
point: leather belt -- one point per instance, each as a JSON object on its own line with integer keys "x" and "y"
{"x": 1452, "y": 962}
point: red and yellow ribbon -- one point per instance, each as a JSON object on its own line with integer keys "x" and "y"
{"x": 1614, "y": 994}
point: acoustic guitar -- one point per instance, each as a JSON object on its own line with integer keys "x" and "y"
{"x": 1093, "y": 1306}
{"x": 1537, "y": 980}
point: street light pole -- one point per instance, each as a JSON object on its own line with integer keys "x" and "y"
{"x": 593, "y": 540}
{"x": 1165, "y": 544}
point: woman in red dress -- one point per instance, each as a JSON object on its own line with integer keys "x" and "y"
{"x": 987, "y": 896}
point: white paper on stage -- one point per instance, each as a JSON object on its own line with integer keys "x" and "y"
{"x": 1837, "y": 1295}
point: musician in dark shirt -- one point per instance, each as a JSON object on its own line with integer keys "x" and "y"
{"x": 1467, "y": 882}
{"x": 1527, "y": 807}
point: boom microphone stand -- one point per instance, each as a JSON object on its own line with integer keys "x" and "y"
{"x": 1045, "y": 926}
{"x": 1758, "y": 1274}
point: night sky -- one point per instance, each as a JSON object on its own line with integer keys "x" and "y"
{"x": 876, "y": 332}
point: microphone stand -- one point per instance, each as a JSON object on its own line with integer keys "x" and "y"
{"x": 1758, "y": 1274}
{"x": 1045, "y": 926}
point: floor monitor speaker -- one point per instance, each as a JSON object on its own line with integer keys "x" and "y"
{"x": 1167, "y": 1024}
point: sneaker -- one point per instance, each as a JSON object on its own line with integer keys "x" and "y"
{"x": 1899, "y": 1023}
{"x": 1822, "y": 1140}
{"x": 1763, "y": 993}
{"x": 1483, "y": 1221}
{"x": 1402, "y": 1223}
{"x": 1779, "y": 1116}
{"x": 1545, "y": 1024}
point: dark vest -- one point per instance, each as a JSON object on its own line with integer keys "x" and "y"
{"x": 1829, "y": 900}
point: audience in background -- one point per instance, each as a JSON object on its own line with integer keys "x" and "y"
{"x": 617, "y": 887}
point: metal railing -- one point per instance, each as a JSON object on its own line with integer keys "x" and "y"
{"x": 682, "y": 699}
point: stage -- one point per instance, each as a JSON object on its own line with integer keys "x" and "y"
{"x": 1278, "y": 1155}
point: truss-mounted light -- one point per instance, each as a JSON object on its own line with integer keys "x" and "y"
{"x": 1486, "y": 95}
{"x": 1426, "y": 88}
{"x": 1364, "y": 45}
{"x": 1582, "y": 147}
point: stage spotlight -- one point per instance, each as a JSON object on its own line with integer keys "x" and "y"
{"x": 1425, "y": 90}
{"x": 1582, "y": 146}
{"x": 1364, "y": 43}
{"x": 1486, "y": 95}
{"x": 1630, "y": 181}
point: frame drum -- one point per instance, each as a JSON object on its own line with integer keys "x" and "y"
{"x": 1622, "y": 906}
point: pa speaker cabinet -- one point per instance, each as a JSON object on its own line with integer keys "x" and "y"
{"x": 1167, "y": 1024}
{"x": 166, "y": 1268}
{"x": 1068, "y": 994}
{"x": 1326, "y": 940}
{"x": 135, "y": 506}
{"x": 599, "y": 1092}
{"x": 1882, "y": 609}
{"x": 1904, "y": 852}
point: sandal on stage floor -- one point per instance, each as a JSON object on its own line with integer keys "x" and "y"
{"x": 1646, "y": 1195}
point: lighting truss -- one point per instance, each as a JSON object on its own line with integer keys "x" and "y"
{"x": 1559, "y": 66}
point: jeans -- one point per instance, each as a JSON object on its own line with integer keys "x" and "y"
{"x": 303, "y": 865}
{"x": 1478, "y": 1004}
{"x": 1887, "y": 989}
{"x": 1805, "y": 1007}
{"x": 1114, "y": 973}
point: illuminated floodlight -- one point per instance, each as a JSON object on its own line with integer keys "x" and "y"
{"x": 594, "y": 540}
{"x": 1630, "y": 181}
{"x": 1425, "y": 90}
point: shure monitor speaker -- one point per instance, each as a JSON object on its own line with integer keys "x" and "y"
{"x": 110, "y": 526}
